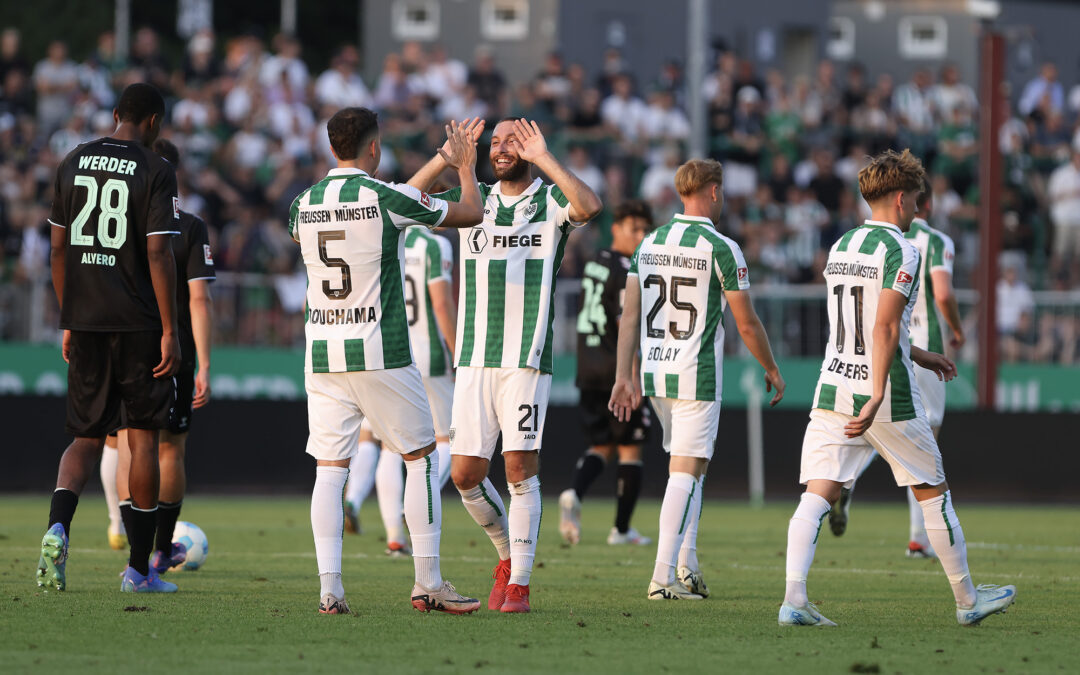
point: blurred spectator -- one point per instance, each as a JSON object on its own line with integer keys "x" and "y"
{"x": 488, "y": 83}
{"x": 1063, "y": 191}
{"x": 552, "y": 83}
{"x": 11, "y": 57}
{"x": 579, "y": 162}
{"x": 1043, "y": 94}
{"x": 1015, "y": 305}
{"x": 146, "y": 57}
{"x": 611, "y": 68}
{"x": 826, "y": 185}
{"x": 622, "y": 110}
{"x": 443, "y": 77}
{"x": 855, "y": 87}
{"x": 284, "y": 69}
{"x": 911, "y": 102}
{"x": 340, "y": 85}
{"x": 56, "y": 80}
{"x": 950, "y": 93}
{"x": 395, "y": 87}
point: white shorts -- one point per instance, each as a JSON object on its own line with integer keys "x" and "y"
{"x": 440, "y": 394}
{"x": 366, "y": 426}
{"x": 491, "y": 400}
{"x": 689, "y": 426}
{"x": 909, "y": 448}
{"x": 393, "y": 400}
{"x": 932, "y": 391}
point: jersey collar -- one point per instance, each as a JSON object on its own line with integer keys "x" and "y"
{"x": 533, "y": 187}
{"x": 882, "y": 223}
{"x": 346, "y": 171}
{"x": 693, "y": 219}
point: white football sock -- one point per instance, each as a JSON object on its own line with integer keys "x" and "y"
{"x": 688, "y": 550}
{"x": 524, "y": 518}
{"x": 675, "y": 510}
{"x": 109, "y": 458}
{"x": 390, "y": 488}
{"x": 362, "y": 473}
{"x": 486, "y": 507}
{"x": 442, "y": 448}
{"x": 943, "y": 531}
{"x": 803, "y": 530}
{"x": 327, "y": 525}
{"x": 423, "y": 513}
{"x": 917, "y": 531}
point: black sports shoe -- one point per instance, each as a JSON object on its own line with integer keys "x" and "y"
{"x": 838, "y": 516}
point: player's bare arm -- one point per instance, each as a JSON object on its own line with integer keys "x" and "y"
{"x": 201, "y": 305}
{"x": 531, "y": 146}
{"x": 886, "y": 338}
{"x": 159, "y": 256}
{"x": 58, "y": 242}
{"x": 442, "y": 305}
{"x": 626, "y": 394}
{"x": 945, "y": 299}
{"x": 430, "y": 172}
{"x": 462, "y": 156}
{"x": 940, "y": 364}
{"x": 756, "y": 340}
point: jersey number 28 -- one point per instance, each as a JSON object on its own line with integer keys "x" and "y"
{"x": 112, "y": 213}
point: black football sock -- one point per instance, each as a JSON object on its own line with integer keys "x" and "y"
{"x": 589, "y": 467}
{"x": 628, "y": 487}
{"x": 62, "y": 509}
{"x": 141, "y": 536}
{"x": 125, "y": 517}
{"x": 167, "y": 514}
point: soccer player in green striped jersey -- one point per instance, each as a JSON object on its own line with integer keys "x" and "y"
{"x": 504, "y": 334}
{"x": 935, "y": 303}
{"x": 867, "y": 398}
{"x": 685, "y": 273}
{"x": 350, "y": 227}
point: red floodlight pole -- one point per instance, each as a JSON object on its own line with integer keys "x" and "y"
{"x": 991, "y": 175}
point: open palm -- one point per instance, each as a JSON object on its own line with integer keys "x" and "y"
{"x": 528, "y": 141}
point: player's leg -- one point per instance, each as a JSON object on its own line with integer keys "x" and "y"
{"x": 473, "y": 434}
{"x": 932, "y": 395}
{"x": 172, "y": 448}
{"x": 361, "y": 477}
{"x": 689, "y": 437}
{"x": 829, "y": 460}
{"x": 333, "y": 431}
{"x": 912, "y": 452}
{"x": 688, "y": 571}
{"x": 390, "y": 490}
{"x": 109, "y": 457}
{"x": 629, "y": 437}
{"x": 92, "y": 408}
{"x": 399, "y": 394}
{"x": 595, "y": 424}
{"x": 841, "y": 510}
{"x": 440, "y": 394}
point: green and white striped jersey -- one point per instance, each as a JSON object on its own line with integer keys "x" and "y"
{"x": 507, "y": 283}
{"x": 862, "y": 263}
{"x": 683, "y": 269}
{"x": 350, "y": 229}
{"x": 936, "y": 251}
{"x": 428, "y": 258}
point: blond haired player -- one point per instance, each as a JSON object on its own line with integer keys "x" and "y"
{"x": 683, "y": 275}
{"x": 504, "y": 335}
{"x": 358, "y": 363}
{"x": 936, "y": 303}
{"x": 867, "y": 397}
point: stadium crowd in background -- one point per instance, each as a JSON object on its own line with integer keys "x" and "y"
{"x": 250, "y": 118}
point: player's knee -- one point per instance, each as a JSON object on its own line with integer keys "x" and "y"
{"x": 465, "y": 477}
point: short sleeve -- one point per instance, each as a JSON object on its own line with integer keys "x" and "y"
{"x": 164, "y": 202}
{"x": 562, "y": 208}
{"x": 451, "y": 195}
{"x": 294, "y": 212}
{"x": 941, "y": 253}
{"x": 633, "y": 263}
{"x": 901, "y": 269}
{"x": 731, "y": 266}
{"x": 57, "y": 216}
{"x": 200, "y": 263}
{"x": 440, "y": 263}
{"x": 407, "y": 205}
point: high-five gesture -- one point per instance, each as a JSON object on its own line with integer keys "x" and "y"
{"x": 528, "y": 141}
{"x": 473, "y": 126}
{"x": 462, "y": 148}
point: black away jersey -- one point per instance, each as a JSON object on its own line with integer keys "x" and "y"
{"x": 194, "y": 261}
{"x": 110, "y": 195}
{"x": 603, "y": 285}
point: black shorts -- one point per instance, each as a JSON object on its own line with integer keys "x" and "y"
{"x": 111, "y": 383}
{"x": 180, "y": 421}
{"x": 601, "y": 427}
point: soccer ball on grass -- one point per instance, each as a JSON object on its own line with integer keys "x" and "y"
{"x": 194, "y": 540}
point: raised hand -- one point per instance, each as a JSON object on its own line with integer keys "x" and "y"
{"x": 528, "y": 141}
{"x": 462, "y": 151}
{"x": 473, "y": 126}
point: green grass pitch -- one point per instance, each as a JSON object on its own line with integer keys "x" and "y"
{"x": 252, "y": 608}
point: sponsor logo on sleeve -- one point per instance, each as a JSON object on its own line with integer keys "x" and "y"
{"x": 425, "y": 199}
{"x": 742, "y": 274}
{"x": 176, "y": 207}
{"x": 903, "y": 277}
{"x": 208, "y": 258}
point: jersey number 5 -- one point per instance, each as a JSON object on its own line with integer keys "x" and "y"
{"x": 113, "y": 213}
{"x": 346, "y": 273}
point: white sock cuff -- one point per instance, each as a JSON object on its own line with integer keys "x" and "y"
{"x": 526, "y": 486}
{"x": 682, "y": 481}
{"x": 938, "y": 513}
{"x": 428, "y": 462}
{"x": 331, "y": 471}
{"x": 812, "y": 508}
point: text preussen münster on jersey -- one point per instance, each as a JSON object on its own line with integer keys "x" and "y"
{"x": 348, "y": 315}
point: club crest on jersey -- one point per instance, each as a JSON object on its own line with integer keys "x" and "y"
{"x": 208, "y": 258}
{"x": 176, "y": 208}
{"x": 478, "y": 239}
{"x": 530, "y": 210}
